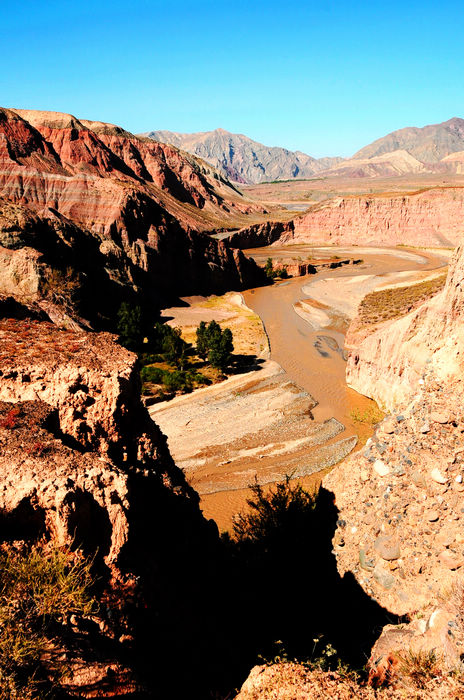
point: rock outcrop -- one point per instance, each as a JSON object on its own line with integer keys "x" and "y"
{"x": 123, "y": 214}
{"x": 261, "y": 234}
{"x": 291, "y": 681}
{"x": 83, "y": 466}
{"x": 78, "y": 396}
{"x": 425, "y": 218}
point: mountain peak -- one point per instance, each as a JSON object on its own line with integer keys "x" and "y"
{"x": 428, "y": 144}
{"x": 243, "y": 160}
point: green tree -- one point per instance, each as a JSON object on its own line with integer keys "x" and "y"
{"x": 130, "y": 326}
{"x": 221, "y": 348}
{"x": 269, "y": 268}
{"x": 202, "y": 341}
{"x": 213, "y": 333}
{"x": 175, "y": 348}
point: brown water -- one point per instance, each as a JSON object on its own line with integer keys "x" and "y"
{"x": 314, "y": 359}
{"x": 306, "y": 355}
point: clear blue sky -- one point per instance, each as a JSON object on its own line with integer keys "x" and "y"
{"x": 324, "y": 77}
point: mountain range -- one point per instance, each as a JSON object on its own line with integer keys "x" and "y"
{"x": 433, "y": 148}
{"x": 243, "y": 160}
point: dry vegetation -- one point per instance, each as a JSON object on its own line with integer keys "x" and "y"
{"x": 292, "y": 681}
{"x": 41, "y": 588}
{"x": 386, "y": 304}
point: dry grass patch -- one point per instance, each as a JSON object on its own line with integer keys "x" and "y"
{"x": 386, "y": 304}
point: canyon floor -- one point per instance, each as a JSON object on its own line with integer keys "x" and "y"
{"x": 290, "y": 412}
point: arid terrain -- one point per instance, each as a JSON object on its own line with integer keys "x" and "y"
{"x": 292, "y": 413}
{"x": 345, "y": 379}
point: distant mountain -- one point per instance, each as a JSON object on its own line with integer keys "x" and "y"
{"x": 243, "y": 160}
{"x": 428, "y": 144}
{"x": 437, "y": 148}
{"x": 385, "y": 165}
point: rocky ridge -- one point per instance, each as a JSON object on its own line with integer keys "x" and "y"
{"x": 129, "y": 211}
{"x": 428, "y": 144}
{"x": 431, "y": 149}
{"x": 83, "y": 465}
{"x": 243, "y": 160}
{"x": 425, "y": 218}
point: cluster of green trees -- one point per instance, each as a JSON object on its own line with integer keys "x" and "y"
{"x": 173, "y": 380}
{"x": 138, "y": 333}
{"x": 215, "y": 344}
{"x": 271, "y": 273}
{"x": 161, "y": 343}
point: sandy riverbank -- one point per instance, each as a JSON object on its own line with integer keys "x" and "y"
{"x": 270, "y": 422}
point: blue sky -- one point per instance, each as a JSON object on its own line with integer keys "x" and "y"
{"x": 323, "y": 77}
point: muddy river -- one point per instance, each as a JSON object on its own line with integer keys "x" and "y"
{"x": 311, "y": 356}
{"x": 226, "y": 436}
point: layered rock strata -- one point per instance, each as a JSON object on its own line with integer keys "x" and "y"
{"x": 425, "y": 218}
{"x": 124, "y": 214}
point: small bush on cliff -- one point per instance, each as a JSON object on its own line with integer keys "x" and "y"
{"x": 39, "y": 591}
{"x": 273, "y": 514}
{"x": 62, "y": 287}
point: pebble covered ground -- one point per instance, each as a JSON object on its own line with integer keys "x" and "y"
{"x": 401, "y": 503}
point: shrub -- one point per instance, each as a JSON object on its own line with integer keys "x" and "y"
{"x": 420, "y": 666}
{"x": 152, "y": 374}
{"x": 273, "y": 514}
{"x": 371, "y": 415}
{"x": 176, "y": 380}
{"x": 269, "y": 268}
{"x": 39, "y": 591}
{"x": 130, "y": 326}
{"x": 62, "y": 287}
{"x": 10, "y": 420}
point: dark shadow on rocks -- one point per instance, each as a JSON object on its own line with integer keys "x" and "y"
{"x": 211, "y": 609}
{"x": 88, "y": 524}
{"x": 26, "y": 522}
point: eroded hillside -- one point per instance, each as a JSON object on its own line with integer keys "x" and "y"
{"x": 121, "y": 216}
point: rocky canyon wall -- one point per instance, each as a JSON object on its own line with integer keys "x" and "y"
{"x": 389, "y": 364}
{"x": 83, "y": 466}
{"x": 427, "y": 218}
{"x": 399, "y": 500}
{"x": 433, "y": 217}
{"x": 124, "y": 213}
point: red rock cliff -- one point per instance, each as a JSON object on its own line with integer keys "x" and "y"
{"x": 433, "y": 217}
{"x": 136, "y": 206}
